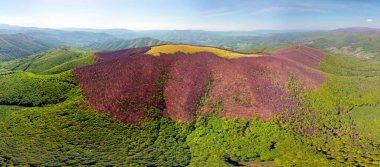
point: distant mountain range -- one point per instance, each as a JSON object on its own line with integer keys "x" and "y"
{"x": 16, "y": 41}
{"x": 19, "y": 45}
{"x": 359, "y": 30}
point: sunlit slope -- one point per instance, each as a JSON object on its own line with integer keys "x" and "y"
{"x": 119, "y": 44}
{"x": 61, "y": 59}
{"x": 51, "y": 62}
{"x": 189, "y": 49}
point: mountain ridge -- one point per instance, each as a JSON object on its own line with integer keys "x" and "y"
{"x": 359, "y": 30}
{"x": 119, "y": 44}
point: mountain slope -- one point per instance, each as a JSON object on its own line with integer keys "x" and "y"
{"x": 301, "y": 54}
{"x": 52, "y": 61}
{"x": 119, "y": 44}
{"x": 281, "y": 113}
{"x": 27, "y": 89}
{"x": 187, "y": 85}
{"x": 13, "y": 46}
{"x": 19, "y": 45}
{"x": 358, "y": 44}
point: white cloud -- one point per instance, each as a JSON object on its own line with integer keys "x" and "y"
{"x": 369, "y": 20}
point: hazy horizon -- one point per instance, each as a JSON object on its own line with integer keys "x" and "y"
{"x": 213, "y": 15}
{"x": 115, "y": 28}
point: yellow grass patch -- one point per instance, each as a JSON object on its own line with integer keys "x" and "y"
{"x": 189, "y": 49}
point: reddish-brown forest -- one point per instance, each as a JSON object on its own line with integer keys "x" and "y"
{"x": 132, "y": 86}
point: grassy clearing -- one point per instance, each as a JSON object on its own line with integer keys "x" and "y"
{"x": 189, "y": 49}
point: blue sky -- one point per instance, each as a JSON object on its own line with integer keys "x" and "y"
{"x": 192, "y": 14}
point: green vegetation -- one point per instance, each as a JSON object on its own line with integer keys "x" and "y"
{"x": 361, "y": 45}
{"x": 257, "y": 48}
{"x": 223, "y": 142}
{"x": 324, "y": 122}
{"x": 69, "y": 133}
{"x": 21, "y": 43}
{"x": 14, "y": 46}
{"x": 336, "y": 125}
{"x": 5, "y": 111}
{"x": 27, "y": 89}
{"x": 367, "y": 121}
{"x": 350, "y": 66}
{"x": 51, "y": 62}
{"x": 119, "y": 44}
{"x": 5, "y": 71}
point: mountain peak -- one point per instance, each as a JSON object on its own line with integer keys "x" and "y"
{"x": 132, "y": 85}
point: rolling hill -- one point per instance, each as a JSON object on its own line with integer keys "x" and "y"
{"x": 353, "y": 42}
{"x": 119, "y": 44}
{"x": 52, "y": 61}
{"x": 13, "y": 46}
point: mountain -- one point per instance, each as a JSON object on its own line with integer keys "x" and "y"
{"x": 358, "y": 42}
{"x": 11, "y": 29}
{"x": 359, "y": 30}
{"x": 80, "y": 39}
{"x": 18, "y": 45}
{"x": 119, "y": 44}
{"x": 175, "y": 82}
{"x": 186, "y": 105}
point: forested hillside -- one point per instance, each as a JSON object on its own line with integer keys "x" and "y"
{"x": 119, "y": 44}
{"x": 13, "y": 46}
{"x": 19, "y": 45}
{"x": 51, "y": 62}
